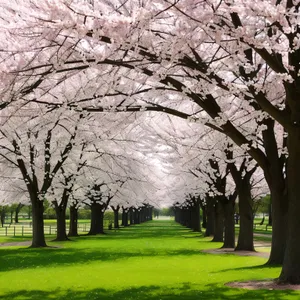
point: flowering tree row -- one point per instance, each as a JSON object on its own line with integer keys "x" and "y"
{"x": 222, "y": 63}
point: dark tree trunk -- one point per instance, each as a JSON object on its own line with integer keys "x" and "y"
{"x": 131, "y": 216}
{"x": 61, "y": 234}
{"x": 124, "y": 217}
{"x": 97, "y": 216}
{"x": 210, "y": 214}
{"x": 229, "y": 232}
{"x": 38, "y": 235}
{"x": 196, "y": 224}
{"x": 204, "y": 217}
{"x": 277, "y": 185}
{"x": 270, "y": 214}
{"x": 219, "y": 223}
{"x": 279, "y": 226}
{"x": 245, "y": 239}
{"x": 2, "y": 216}
{"x": 18, "y": 208}
{"x": 73, "y": 226}
{"x": 11, "y": 217}
{"x": 60, "y": 210}
{"x": 290, "y": 272}
{"x": 136, "y": 217}
{"x": 116, "y": 217}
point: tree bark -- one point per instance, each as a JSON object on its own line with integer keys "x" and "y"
{"x": 38, "y": 235}
{"x": 73, "y": 226}
{"x": 290, "y": 272}
{"x": 279, "y": 224}
{"x": 61, "y": 234}
{"x": 270, "y": 214}
{"x": 18, "y": 208}
{"x": 210, "y": 214}
{"x": 136, "y": 216}
{"x": 196, "y": 216}
{"x": 229, "y": 232}
{"x": 245, "y": 239}
{"x": 131, "y": 216}
{"x": 97, "y": 217}
{"x": 116, "y": 217}
{"x": 219, "y": 223}
{"x": 124, "y": 217}
{"x": 204, "y": 216}
{"x": 2, "y": 216}
{"x": 277, "y": 185}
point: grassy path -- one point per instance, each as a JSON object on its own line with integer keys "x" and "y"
{"x": 152, "y": 261}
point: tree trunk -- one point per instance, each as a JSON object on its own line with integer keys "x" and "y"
{"x": 131, "y": 216}
{"x": 210, "y": 214}
{"x": 126, "y": 218}
{"x": 279, "y": 226}
{"x": 38, "y": 235}
{"x": 196, "y": 216}
{"x": 73, "y": 226}
{"x": 97, "y": 216}
{"x": 18, "y": 208}
{"x": 2, "y": 216}
{"x": 229, "y": 233}
{"x": 123, "y": 217}
{"x": 204, "y": 217}
{"x": 270, "y": 214}
{"x": 116, "y": 217}
{"x": 61, "y": 234}
{"x": 277, "y": 184}
{"x": 245, "y": 239}
{"x": 136, "y": 217}
{"x": 290, "y": 272}
{"x": 219, "y": 223}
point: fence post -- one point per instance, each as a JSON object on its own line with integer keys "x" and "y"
{"x": 6, "y": 231}
{"x": 22, "y": 230}
{"x": 50, "y": 229}
{"x": 14, "y": 230}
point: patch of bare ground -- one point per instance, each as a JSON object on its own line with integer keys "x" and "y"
{"x": 232, "y": 251}
{"x": 24, "y": 243}
{"x": 268, "y": 284}
{"x": 263, "y": 284}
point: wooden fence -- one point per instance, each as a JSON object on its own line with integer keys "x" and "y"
{"x": 26, "y": 229}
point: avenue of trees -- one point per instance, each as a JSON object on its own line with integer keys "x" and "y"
{"x": 231, "y": 67}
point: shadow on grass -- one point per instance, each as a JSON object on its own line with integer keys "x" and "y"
{"x": 185, "y": 292}
{"x": 258, "y": 268}
{"x": 16, "y": 258}
{"x": 12, "y": 258}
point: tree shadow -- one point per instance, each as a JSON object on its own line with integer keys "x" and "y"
{"x": 16, "y": 258}
{"x": 186, "y": 291}
{"x": 257, "y": 267}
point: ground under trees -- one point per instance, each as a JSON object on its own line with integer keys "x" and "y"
{"x": 154, "y": 260}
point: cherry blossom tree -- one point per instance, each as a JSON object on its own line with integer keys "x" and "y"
{"x": 211, "y": 55}
{"x": 37, "y": 146}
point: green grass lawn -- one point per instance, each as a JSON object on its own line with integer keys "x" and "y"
{"x": 152, "y": 261}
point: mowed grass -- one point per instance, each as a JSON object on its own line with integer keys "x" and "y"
{"x": 155, "y": 260}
